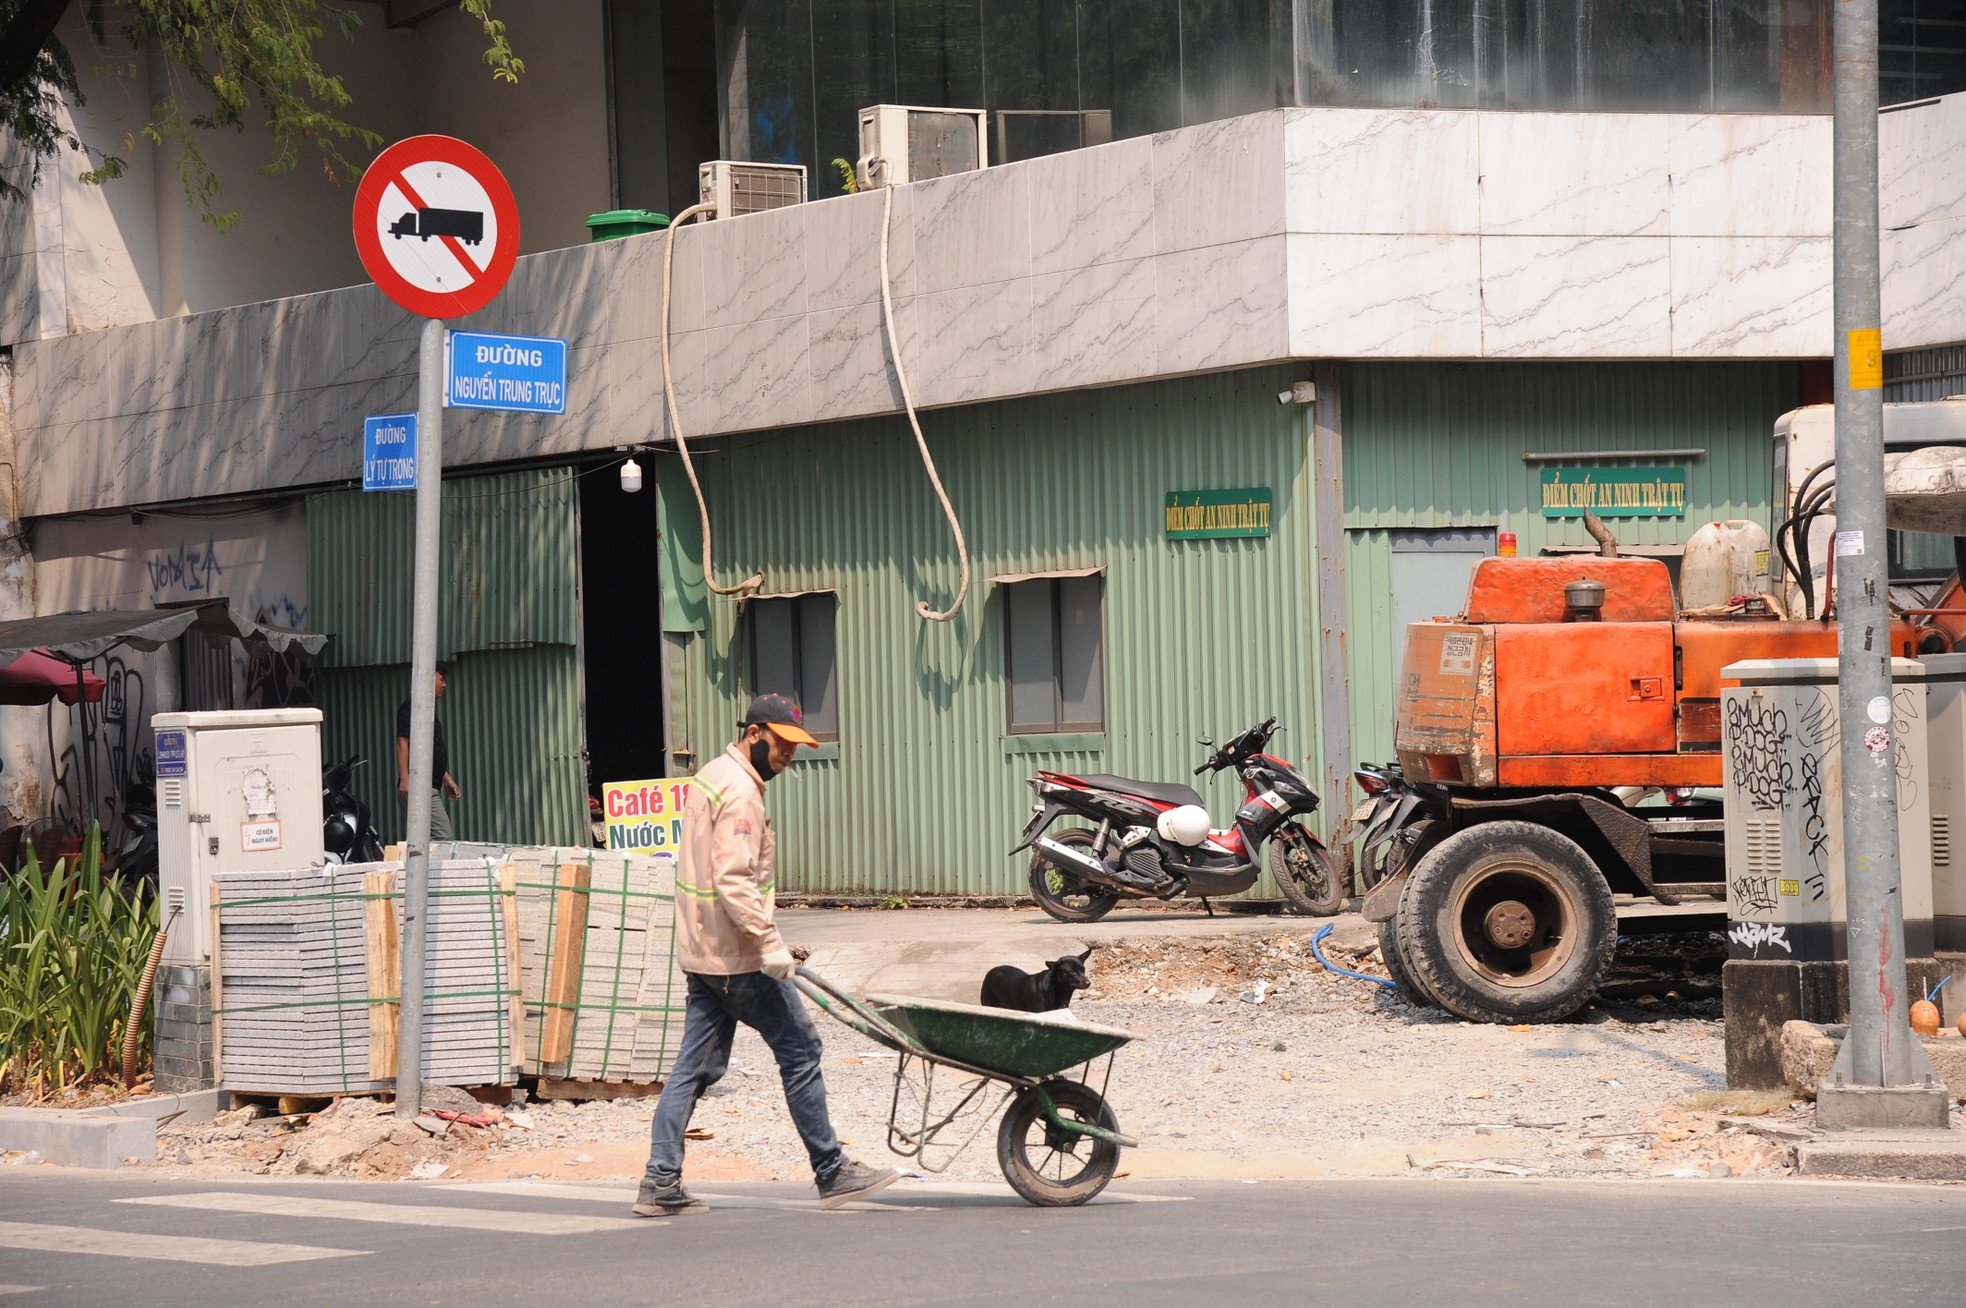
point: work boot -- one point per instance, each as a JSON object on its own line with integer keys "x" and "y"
{"x": 854, "y": 1181}
{"x": 669, "y": 1200}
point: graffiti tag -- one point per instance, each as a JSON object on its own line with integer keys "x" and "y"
{"x": 1754, "y": 895}
{"x": 1753, "y": 935}
{"x": 1758, "y": 733}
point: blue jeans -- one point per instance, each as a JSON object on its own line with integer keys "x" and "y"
{"x": 772, "y": 1009}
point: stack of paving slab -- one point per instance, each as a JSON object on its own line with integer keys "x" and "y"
{"x": 290, "y": 982}
{"x": 604, "y": 998}
{"x": 306, "y": 969}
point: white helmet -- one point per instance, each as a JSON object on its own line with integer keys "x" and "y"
{"x": 1186, "y": 825}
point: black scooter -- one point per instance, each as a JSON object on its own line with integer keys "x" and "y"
{"x": 348, "y": 832}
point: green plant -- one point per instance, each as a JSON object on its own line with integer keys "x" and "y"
{"x": 895, "y": 901}
{"x": 73, "y": 943}
{"x": 848, "y": 182}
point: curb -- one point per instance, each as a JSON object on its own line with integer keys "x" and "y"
{"x": 102, "y": 1138}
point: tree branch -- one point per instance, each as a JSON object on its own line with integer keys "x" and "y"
{"x": 22, "y": 39}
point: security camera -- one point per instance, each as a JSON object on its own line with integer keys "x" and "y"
{"x": 1283, "y": 397}
{"x": 1299, "y": 393}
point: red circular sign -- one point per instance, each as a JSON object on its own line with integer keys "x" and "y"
{"x": 436, "y": 226}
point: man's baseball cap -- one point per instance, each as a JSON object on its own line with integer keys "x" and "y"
{"x": 781, "y": 717}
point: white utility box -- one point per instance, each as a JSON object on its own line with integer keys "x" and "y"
{"x": 236, "y": 792}
{"x": 1945, "y": 691}
{"x": 1783, "y": 772}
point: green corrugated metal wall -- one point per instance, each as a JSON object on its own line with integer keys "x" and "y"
{"x": 924, "y": 793}
{"x": 1431, "y": 445}
{"x": 511, "y": 624}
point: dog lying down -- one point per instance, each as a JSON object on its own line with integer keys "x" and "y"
{"x": 1036, "y": 992}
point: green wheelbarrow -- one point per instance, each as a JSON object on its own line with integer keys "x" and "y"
{"x": 1058, "y": 1142}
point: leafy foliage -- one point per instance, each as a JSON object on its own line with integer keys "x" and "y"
{"x": 73, "y": 944}
{"x": 230, "y": 64}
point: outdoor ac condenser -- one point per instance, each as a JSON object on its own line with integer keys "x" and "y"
{"x": 236, "y": 792}
{"x": 902, "y": 143}
{"x": 736, "y": 189}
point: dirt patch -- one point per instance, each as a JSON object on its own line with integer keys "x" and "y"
{"x": 1251, "y": 1061}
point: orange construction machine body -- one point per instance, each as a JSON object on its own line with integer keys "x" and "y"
{"x": 1528, "y": 689}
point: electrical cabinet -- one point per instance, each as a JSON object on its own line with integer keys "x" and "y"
{"x": 1781, "y": 734}
{"x": 236, "y": 792}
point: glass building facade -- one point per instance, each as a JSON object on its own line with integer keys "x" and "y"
{"x": 783, "y": 80}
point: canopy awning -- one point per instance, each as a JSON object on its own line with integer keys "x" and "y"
{"x": 80, "y": 637}
{"x": 1012, "y": 578}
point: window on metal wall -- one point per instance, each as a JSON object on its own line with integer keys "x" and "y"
{"x": 792, "y": 653}
{"x": 1055, "y": 654}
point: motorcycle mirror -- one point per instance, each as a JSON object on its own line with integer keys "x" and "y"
{"x": 1204, "y": 740}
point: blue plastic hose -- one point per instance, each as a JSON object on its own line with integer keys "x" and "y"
{"x": 1330, "y": 966}
{"x": 1929, "y": 994}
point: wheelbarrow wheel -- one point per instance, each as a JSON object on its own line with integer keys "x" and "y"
{"x": 1050, "y": 1167}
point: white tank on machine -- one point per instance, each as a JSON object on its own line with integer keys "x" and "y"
{"x": 1722, "y": 560}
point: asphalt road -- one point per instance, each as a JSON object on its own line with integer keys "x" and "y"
{"x": 117, "y": 1240}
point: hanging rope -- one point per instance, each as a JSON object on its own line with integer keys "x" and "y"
{"x": 756, "y": 579}
{"x": 908, "y": 401}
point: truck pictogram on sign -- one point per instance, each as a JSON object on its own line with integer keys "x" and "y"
{"x": 465, "y": 224}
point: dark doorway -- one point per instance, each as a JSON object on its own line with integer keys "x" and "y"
{"x": 621, "y": 628}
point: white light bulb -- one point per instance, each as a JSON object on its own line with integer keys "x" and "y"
{"x": 631, "y": 476}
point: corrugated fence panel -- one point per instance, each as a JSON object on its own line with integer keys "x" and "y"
{"x": 512, "y": 721}
{"x": 925, "y": 791}
{"x": 509, "y": 572}
{"x": 1925, "y": 374}
{"x": 1430, "y": 445}
{"x": 510, "y": 624}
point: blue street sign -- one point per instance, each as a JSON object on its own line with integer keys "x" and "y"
{"x": 389, "y": 452}
{"x": 519, "y": 374}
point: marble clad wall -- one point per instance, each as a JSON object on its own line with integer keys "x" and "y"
{"x": 1557, "y": 236}
{"x": 1922, "y": 209}
{"x": 1326, "y": 233}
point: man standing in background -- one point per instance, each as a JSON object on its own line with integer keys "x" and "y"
{"x": 440, "y": 821}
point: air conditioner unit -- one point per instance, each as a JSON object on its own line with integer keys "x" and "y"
{"x": 739, "y": 188}
{"x": 1030, "y": 133}
{"x": 902, "y": 143}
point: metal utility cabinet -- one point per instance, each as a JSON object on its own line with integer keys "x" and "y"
{"x": 236, "y": 792}
{"x": 1786, "y": 901}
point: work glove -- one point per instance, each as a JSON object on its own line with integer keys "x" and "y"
{"x": 778, "y": 965}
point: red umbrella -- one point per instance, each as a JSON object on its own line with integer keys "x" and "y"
{"x": 37, "y": 677}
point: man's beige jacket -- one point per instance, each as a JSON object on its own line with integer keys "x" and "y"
{"x": 724, "y": 880}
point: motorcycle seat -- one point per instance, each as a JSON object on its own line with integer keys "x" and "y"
{"x": 1166, "y": 792}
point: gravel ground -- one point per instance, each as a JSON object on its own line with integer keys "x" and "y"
{"x": 1326, "y": 1076}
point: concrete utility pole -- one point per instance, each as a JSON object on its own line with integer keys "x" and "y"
{"x": 1881, "y": 1077}
{"x": 423, "y": 712}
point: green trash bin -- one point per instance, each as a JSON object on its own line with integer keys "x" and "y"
{"x": 616, "y": 223}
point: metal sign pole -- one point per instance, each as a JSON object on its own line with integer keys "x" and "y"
{"x": 1880, "y": 1072}
{"x": 423, "y": 713}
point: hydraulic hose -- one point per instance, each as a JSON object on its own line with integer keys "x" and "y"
{"x": 908, "y": 402}
{"x": 756, "y": 579}
{"x": 1330, "y": 966}
{"x": 133, "y": 1028}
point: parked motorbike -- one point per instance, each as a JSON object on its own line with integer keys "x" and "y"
{"x": 135, "y": 854}
{"x": 348, "y": 832}
{"x": 1155, "y": 841}
{"x": 1384, "y": 835}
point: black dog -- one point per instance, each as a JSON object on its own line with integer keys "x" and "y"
{"x": 1036, "y": 992}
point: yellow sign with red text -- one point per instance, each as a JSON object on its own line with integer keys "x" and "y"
{"x": 645, "y": 816}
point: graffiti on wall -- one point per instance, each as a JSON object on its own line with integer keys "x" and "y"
{"x": 281, "y": 680}
{"x": 118, "y": 749}
{"x": 192, "y": 569}
{"x": 1759, "y": 733}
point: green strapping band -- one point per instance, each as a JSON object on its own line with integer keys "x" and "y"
{"x": 590, "y": 890}
{"x": 339, "y": 1003}
{"x": 614, "y": 994}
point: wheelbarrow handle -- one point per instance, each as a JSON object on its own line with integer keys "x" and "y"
{"x": 851, "y": 1011}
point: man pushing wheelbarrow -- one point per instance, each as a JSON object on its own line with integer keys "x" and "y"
{"x": 738, "y": 968}
{"x": 1058, "y": 1142}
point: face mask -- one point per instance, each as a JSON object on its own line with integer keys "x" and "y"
{"x": 761, "y": 758}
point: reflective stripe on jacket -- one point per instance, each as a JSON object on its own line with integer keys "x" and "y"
{"x": 725, "y": 877}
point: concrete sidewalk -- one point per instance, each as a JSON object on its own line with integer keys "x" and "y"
{"x": 943, "y": 953}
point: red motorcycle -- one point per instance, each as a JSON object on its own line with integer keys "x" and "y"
{"x": 1155, "y": 840}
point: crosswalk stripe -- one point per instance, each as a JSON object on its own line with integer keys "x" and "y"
{"x": 623, "y": 1198}
{"x": 348, "y": 1210}
{"x": 902, "y": 1189}
{"x": 169, "y": 1248}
